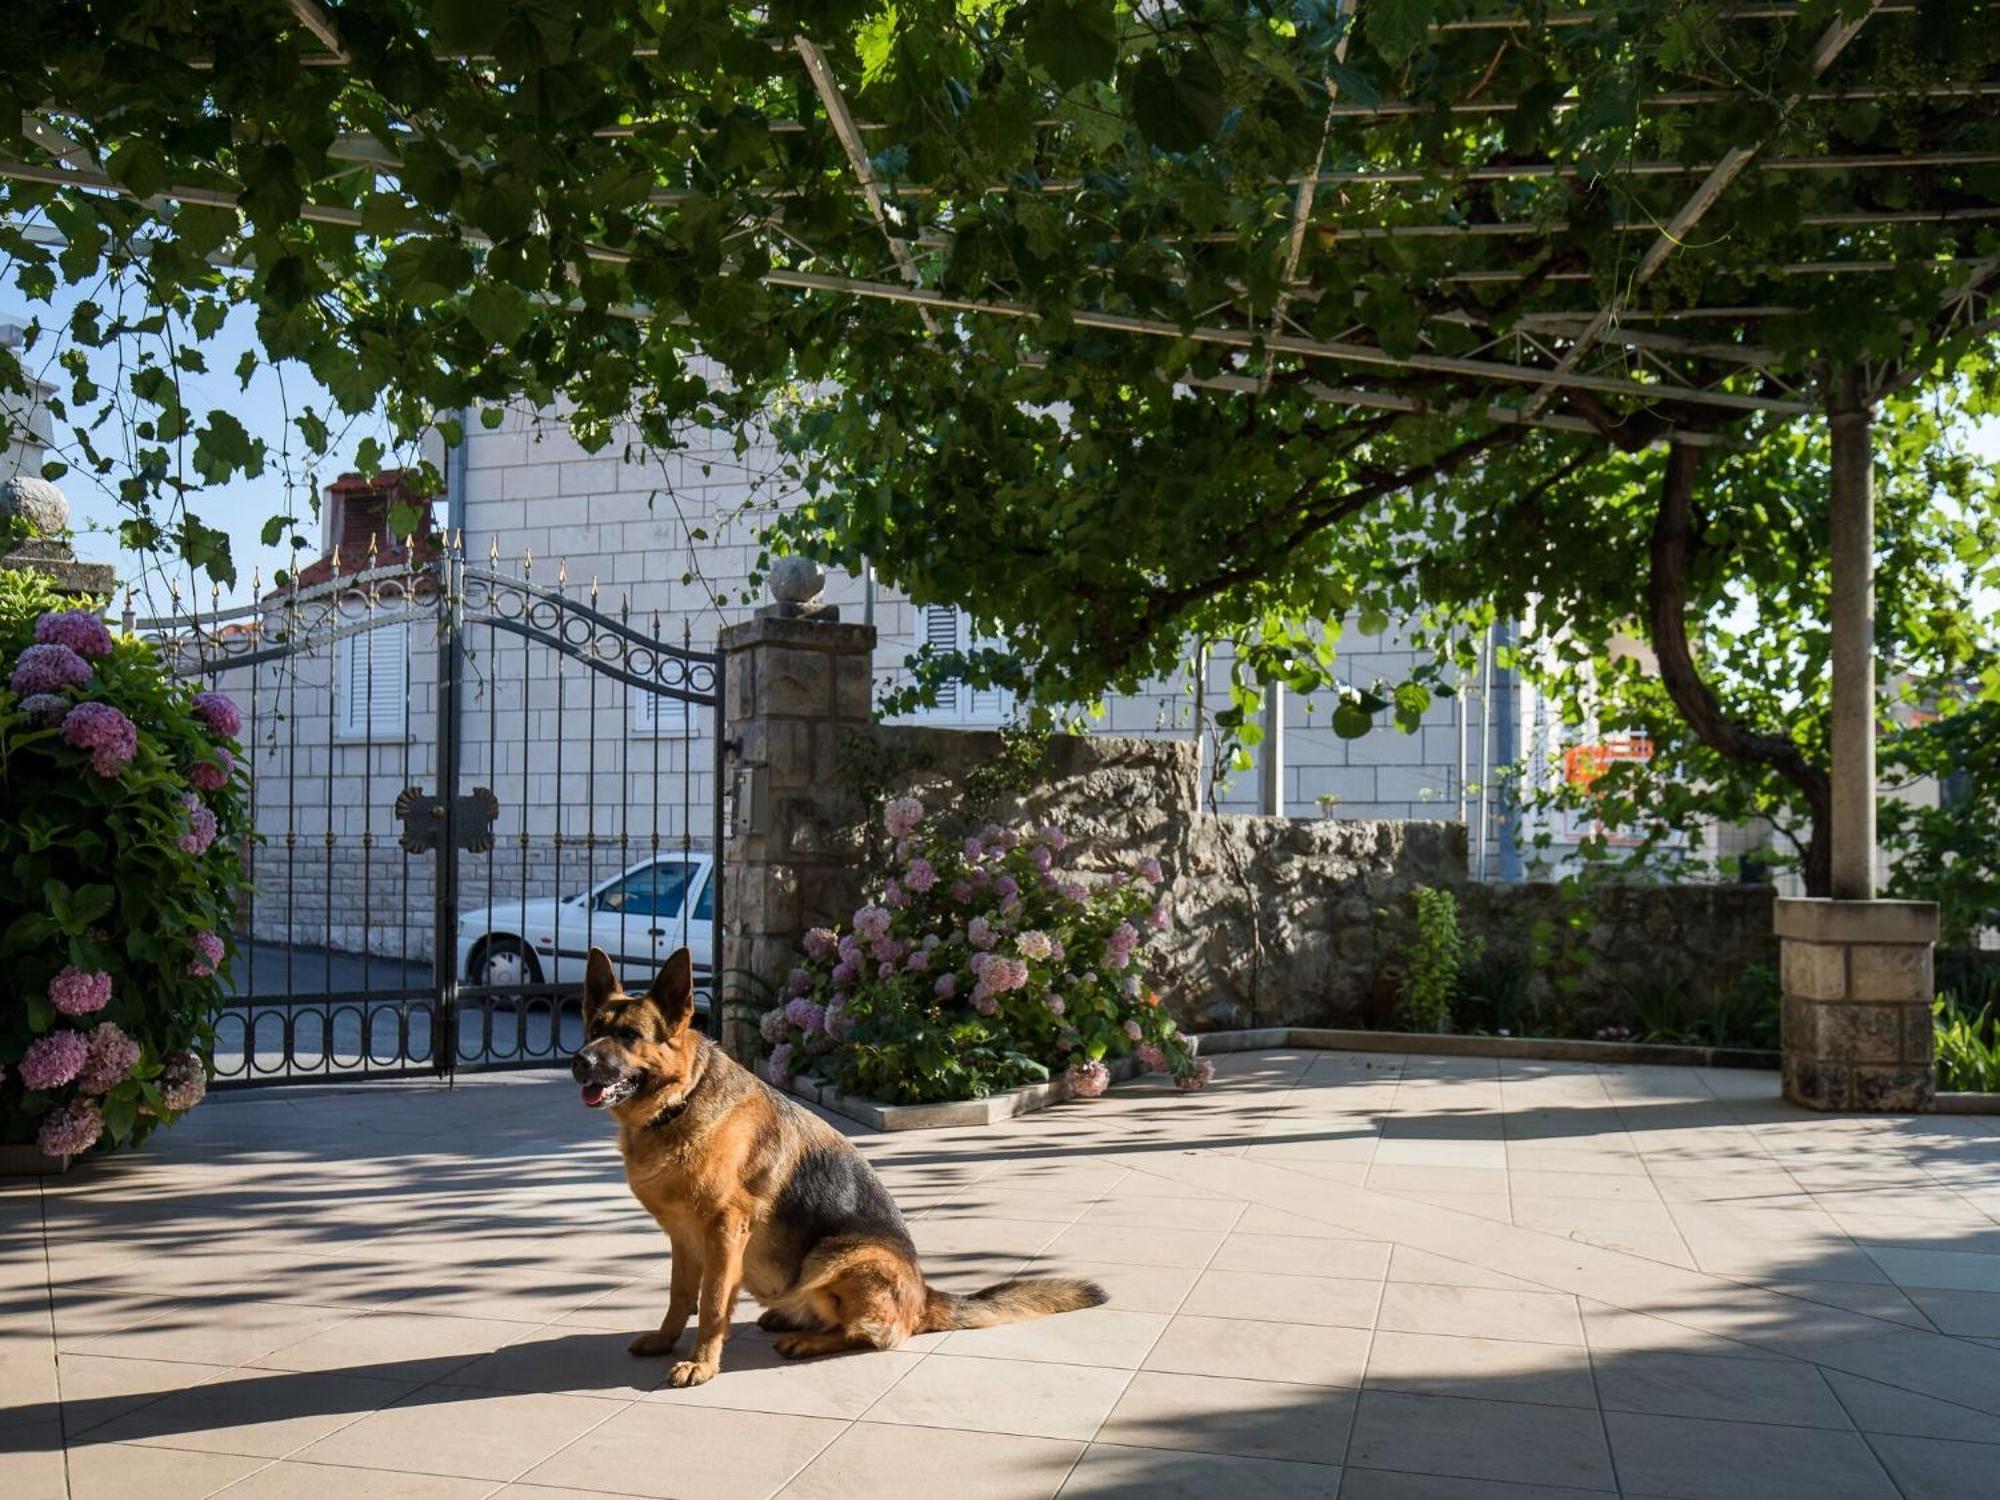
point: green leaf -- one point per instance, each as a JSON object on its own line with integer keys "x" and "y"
{"x": 1177, "y": 97}
{"x": 1073, "y": 41}
{"x": 1351, "y": 721}
{"x": 1396, "y": 28}
{"x": 140, "y": 165}
{"x": 500, "y": 313}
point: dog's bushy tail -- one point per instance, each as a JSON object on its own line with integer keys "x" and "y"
{"x": 1009, "y": 1302}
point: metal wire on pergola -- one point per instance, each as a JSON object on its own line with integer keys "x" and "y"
{"x": 1578, "y": 294}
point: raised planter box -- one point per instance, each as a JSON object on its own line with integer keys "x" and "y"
{"x": 988, "y": 1111}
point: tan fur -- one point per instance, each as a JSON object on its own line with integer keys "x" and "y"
{"x": 711, "y": 1175}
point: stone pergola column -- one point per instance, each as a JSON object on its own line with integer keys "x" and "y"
{"x": 795, "y": 681}
{"x": 1856, "y": 972}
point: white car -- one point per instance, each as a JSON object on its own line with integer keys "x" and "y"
{"x": 638, "y": 916}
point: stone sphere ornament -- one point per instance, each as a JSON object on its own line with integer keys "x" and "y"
{"x": 36, "y": 501}
{"x": 797, "y": 580}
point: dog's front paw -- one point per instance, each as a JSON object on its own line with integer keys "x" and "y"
{"x": 800, "y": 1345}
{"x": 653, "y": 1343}
{"x": 774, "y": 1321}
{"x": 690, "y": 1372}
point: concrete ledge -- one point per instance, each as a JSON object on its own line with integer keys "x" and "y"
{"x": 1966, "y": 1104}
{"x": 947, "y": 1113}
{"x": 1814, "y": 920}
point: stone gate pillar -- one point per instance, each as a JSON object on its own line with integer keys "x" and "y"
{"x": 1857, "y": 985}
{"x": 796, "y": 680}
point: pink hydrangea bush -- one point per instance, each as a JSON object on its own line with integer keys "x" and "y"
{"x": 122, "y": 846}
{"x": 984, "y": 964}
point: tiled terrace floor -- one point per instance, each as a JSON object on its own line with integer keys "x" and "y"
{"x": 1375, "y": 1278}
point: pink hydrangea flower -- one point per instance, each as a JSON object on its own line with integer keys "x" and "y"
{"x": 71, "y": 1129}
{"x": 961, "y": 891}
{"x": 1036, "y": 945}
{"x": 81, "y": 631}
{"x": 1074, "y": 890}
{"x": 771, "y": 1025}
{"x": 946, "y": 987}
{"x": 780, "y": 1063}
{"x": 110, "y": 737}
{"x": 1159, "y": 916}
{"x": 821, "y": 943}
{"x": 892, "y": 894}
{"x": 1197, "y": 1077}
{"x": 1057, "y": 1005}
{"x": 1087, "y": 1080}
{"x": 212, "y": 775}
{"x": 53, "y": 1060}
{"x": 1133, "y": 1031}
{"x": 807, "y": 1015}
{"x": 48, "y": 668}
{"x": 849, "y": 946}
{"x": 183, "y": 1082}
{"x": 886, "y": 969}
{"x": 846, "y": 971}
{"x": 1152, "y": 1057}
{"x": 1118, "y": 947}
{"x": 77, "y": 992}
{"x": 918, "y": 961}
{"x": 902, "y": 816}
{"x": 798, "y": 982}
{"x": 920, "y": 876}
{"x": 984, "y": 1003}
{"x": 112, "y": 1057}
{"x": 886, "y": 950}
{"x": 45, "y": 710}
{"x": 208, "y": 955}
{"x": 1150, "y": 871}
{"x": 201, "y": 827}
{"x": 218, "y": 711}
{"x": 871, "y": 923}
{"x": 979, "y": 932}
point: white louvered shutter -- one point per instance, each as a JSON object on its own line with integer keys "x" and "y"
{"x": 374, "y": 677}
{"x": 941, "y": 633}
{"x": 655, "y": 713}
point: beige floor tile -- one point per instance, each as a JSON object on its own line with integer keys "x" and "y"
{"x": 1458, "y": 1438}
{"x": 670, "y": 1452}
{"x": 1391, "y": 1178}
{"x": 1413, "y": 1152}
{"x": 297, "y": 1481}
{"x": 1110, "y": 1336}
{"x": 1602, "y": 1187}
{"x": 462, "y": 1430}
{"x": 96, "y": 1389}
{"x": 939, "y": 1242}
{"x": 1879, "y": 1408}
{"x": 1239, "y": 1348}
{"x": 1784, "y": 1392}
{"x": 396, "y": 1345}
{"x": 1728, "y": 1460}
{"x": 1642, "y": 1222}
{"x": 1936, "y": 1469}
{"x": 1495, "y": 1369}
{"x": 1138, "y": 1246}
{"x": 1158, "y": 1474}
{"x": 1303, "y": 1255}
{"x": 1974, "y": 1315}
{"x": 1026, "y": 1398}
{"x": 1164, "y": 1213}
{"x": 214, "y": 1334}
{"x": 1249, "y": 1418}
{"x": 1940, "y": 1270}
{"x": 32, "y": 1461}
{"x": 755, "y": 1377}
{"x": 1285, "y": 1299}
{"x": 572, "y": 1361}
{"x": 1497, "y": 1206}
{"x": 120, "y": 1471}
{"x": 1615, "y": 1328}
{"x": 1481, "y": 1312}
{"x": 265, "y": 1414}
{"x": 1260, "y": 1219}
{"x": 1380, "y": 1484}
{"x": 1420, "y": 1266}
{"x": 906, "y": 1463}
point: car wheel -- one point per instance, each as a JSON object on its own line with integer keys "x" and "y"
{"x": 505, "y": 961}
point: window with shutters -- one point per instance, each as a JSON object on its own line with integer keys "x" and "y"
{"x": 944, "y": 627}
{"x": 372, "y": 700}
{"x": 657, "y": 714}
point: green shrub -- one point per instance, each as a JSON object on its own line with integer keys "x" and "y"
{"x": 121, "y": 856}
{"x": 979, "y": 965}
{"x": 1430, "y": 980}
{"x": 1968, "y": 1048}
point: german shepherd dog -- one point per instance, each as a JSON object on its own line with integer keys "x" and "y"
{"x": 758, "y": 1193}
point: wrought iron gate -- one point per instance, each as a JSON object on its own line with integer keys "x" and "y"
{"x": 462, "y": 779}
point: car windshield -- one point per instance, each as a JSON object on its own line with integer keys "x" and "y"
{"x": 656, "y": 891}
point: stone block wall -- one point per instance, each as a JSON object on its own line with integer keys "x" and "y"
{"x": 1857, "y": 982}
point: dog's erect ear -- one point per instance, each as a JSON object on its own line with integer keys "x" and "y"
{"x": 673, "y": 992}
{"x": 600, "y": 983}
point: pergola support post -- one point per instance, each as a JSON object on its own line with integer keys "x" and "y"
{"x": 1856, "y": 972}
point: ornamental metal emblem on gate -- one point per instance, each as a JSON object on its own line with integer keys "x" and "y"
{"x": 462, "y": 780}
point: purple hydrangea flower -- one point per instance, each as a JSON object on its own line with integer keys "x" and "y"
{"x": 1087, "y": 1080}
{"x": 961, "y": 891}
{"x": 1118, "y": 947}
{"x": 807, "y": 1015}
{"x": 1053, "y": 836}
{"x": 975, "y": 851}
{"x": 1057, "y": 1005}
{"x": 1074, "y": 890}
{"x": 984, "y": 1003}
{"x": 201, "y": 827}
{"x": 212, "y": 774}
{"x": 920, "y": 877}
{"x": 110, "y": 737}
{"x": 208, "y": 951}
{"x": 902, "y": 816}
{"x": 979, "y": 932}
{"x": 48, "y": 668}
{"x": 1159, "y": 916}
{"x": 45, "y": 710}
{"x": 70, "y": 1130}
{"x": 1036, "y": 945}
{"x": 821, "y": 943}
{"x": 218, "y": 711}
{"x": 1150, "y": 871}
{"x": 77, "y": 992}
{"x": 771, "y": 1025}
{"x": 846, "y": 971}
{"x": 1006, "y": 888}
{"x": 53, "y": 1060}
{"x": 886, "y": 969}
{"x": 112, "y": 1057}
{"x": 886, "y": 950}
{"x": 183, "y": 1082}
{"x": 1198, "y": 1077}
{"x": 871, "y": 923}
{"x": 892, "y": 894}
{"x": 946, "y": 987}
{"x": 780, "y": 1063}
{"x": 918, "y": 961}
{"x": 798, "y": 982}
{"x": 78, "y": 629}
{"x": 1042, "y": 860}
{"x": 1152, "y": 1057}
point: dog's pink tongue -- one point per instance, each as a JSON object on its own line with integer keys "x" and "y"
{"x": 593, "y": 1094}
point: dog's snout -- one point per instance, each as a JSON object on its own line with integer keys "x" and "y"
{"x": 579, "y": 1067}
